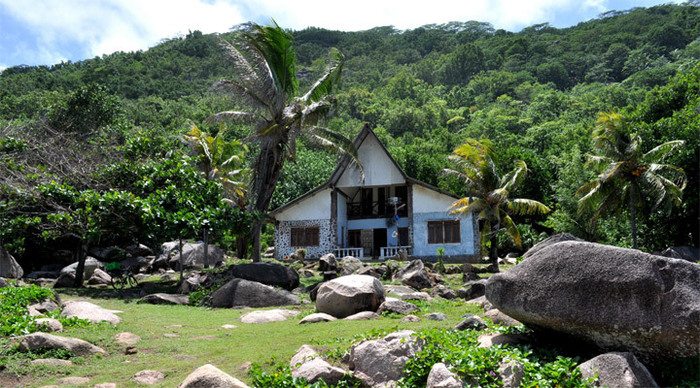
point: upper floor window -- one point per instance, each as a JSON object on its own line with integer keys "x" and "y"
{"x": 443, "y": 232}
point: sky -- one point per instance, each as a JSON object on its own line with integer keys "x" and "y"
{"x": 45, "y": 32}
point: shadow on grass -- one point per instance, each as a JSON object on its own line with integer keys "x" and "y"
{"x": 130, "y": 294}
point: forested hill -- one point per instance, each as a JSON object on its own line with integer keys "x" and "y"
{"x": 535, "y": 94}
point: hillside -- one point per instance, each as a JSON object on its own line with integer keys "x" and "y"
{"x": 535, "y": 93}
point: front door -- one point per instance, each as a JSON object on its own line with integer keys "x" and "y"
{"x": 379, "y": 241}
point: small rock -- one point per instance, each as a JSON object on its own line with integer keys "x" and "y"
{"x": 618, "y": 369}
{"x": 130, "y": 350}
{"x": 445, "y": 292}
{"x": 415, "y": 275}
{"x": 498, "y": 317}
{"x": 127, "y": 339}
{"x": 162, "y": 298}
{"x": 471, "y": 322}
{"x": 488, "y": 340}
{"x": 441, "y": 377}
{"x": 317, "y": 317}
{"x": 105, "y": 385}
{"x": 43, "y": 341}
{"x": 44, "y": 307}
{"x": 410, "y": 318}
{"x": 90, "y": 312}
{"x": 171, "y": 335}
{"x": 264, "y": 316}
{"x": 362, "y": 315}
{"x": 228, "y": 326}
{"x": 319, "y": 370}
{"x": 209, "y": 376}
{"x": 52, "y": 362}
{"x": 436, "y": 316}
{"x": 481, "y": 302}
{"x": 73, "y": 380}
{"x": 393, "y": 305}
{"x": 9, "y": 268}
{"x": 417, "y": 296}
{"x": 511, "y": 372}
{"x": 49, "y": 324}
{"x": 99, "y": 277}
{"x": 382, "y": 361}
{"x": 148, "y": 377}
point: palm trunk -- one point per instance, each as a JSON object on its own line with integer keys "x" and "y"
{"x": 493, "y": 250}
{"x": 268, "y": 168}
{"x": 242, "y": 246}
{"x": 633, "y": 215}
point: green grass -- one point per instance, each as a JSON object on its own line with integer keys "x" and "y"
{"x": 201, "y": 340}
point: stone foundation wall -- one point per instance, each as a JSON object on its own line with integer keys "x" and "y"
{"x": 283, "y": 236}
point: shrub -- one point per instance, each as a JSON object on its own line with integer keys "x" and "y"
{"x": 14, "y": 317}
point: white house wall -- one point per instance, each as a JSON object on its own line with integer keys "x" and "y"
{"x": 378, "y": 168}
{"x": 426, "y": 200}
{"x": 315, "y": 207}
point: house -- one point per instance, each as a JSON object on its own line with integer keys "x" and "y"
{"x": 373, "y": 213}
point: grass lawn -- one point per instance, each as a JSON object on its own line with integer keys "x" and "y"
{"x": 177, "y": 339}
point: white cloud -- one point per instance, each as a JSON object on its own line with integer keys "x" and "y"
{"x": 105, "y": 26}
{"x": 364, "y": 14}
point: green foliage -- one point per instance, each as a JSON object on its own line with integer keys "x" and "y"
{"x": 14, "y": 317}
{"x": 479, "y": 366}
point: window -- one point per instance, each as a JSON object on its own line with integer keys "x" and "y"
{"x": 443, "y": 232}
{"x": 305, "y": 237}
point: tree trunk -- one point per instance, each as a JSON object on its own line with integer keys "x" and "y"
{"x": 268, "y": 168}
{"x": 80, "y": 256}
{"x": 633, "y": 215}
{"x": 181, "y": 263}
{"x": 493, "y": 250}
{"x": 242, "y": 246}
{"x": 206, "y": 247}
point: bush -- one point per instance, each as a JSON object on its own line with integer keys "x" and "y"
{"x": 479, "y": 366}
{"x": 14, "y": 317}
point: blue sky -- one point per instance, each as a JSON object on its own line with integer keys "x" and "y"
{"x": 36, "y": 32}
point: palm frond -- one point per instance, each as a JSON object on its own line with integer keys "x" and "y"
{"x": 514, "y": 178}
{"x": 467, "y": 205}
{"x": 330, "y": 78}
{"x": 251, "y": 97}
{"x": 661, "y": 151}
{"x": 512, "y": 230}
{"x": 334, "y": 141}
{"x": 277, "y": 48}
{"x": 527, "y": 207}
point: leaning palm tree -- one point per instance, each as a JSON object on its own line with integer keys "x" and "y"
{"x": 488, "y": 192}
{"x": 627, "y": 175}
{"x": 266, "y": 83}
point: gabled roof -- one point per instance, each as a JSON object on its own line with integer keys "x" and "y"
{"x": 346, "y": 161}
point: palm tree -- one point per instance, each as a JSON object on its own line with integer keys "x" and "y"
{"x": 263, "y": 61}
{"x": 488, "y": 192}
{"x": 627, "y": 175}
{"x": 222, "y": 161}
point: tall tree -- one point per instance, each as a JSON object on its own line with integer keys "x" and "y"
{"x": 488, "y": 192}
{"x": 628, "y": 176}
{"x": 263, "y": 59}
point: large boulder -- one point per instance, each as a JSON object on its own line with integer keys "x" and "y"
{"x": 99, "y": 277}
{"x": 209, "y": 376}
{"x": 614, "y": 297}
{"x": 683, "y": 252}
{"x": 382, "y": 361}
{"x": 265, "y": 316}
{"x": 309, "y": 365}
{"x": 268, "y": 273}
{"x": 65, "y": 280}
{"x": 551, "y": 240}
{"x": 347, "y": 295}
{"x": 241, "y": 293}
{"x": 37, "y": 342}
{"x": 441, "y": 377}
{"x": 91, "y": 264}
{"x": 618, "y": 369}
{"x": 9, "y": 268}
{"x": 192, "y": 254}
{"x": 327, "y": 262}
{"x": 90, "y": 312}
{"x": 348, "y": 265}
{"x": 415, "y": 275}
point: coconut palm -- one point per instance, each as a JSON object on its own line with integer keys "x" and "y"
{"x": 266, "y": 83}
{"x": 488, "y": 192}
{"x": 627, "y": 175}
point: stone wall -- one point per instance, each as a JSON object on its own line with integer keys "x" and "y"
{"x": 283, "y": 238}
